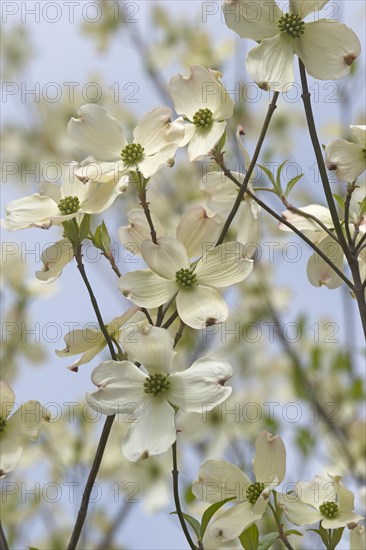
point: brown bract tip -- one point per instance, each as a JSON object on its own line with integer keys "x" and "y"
{"x": 349, "y": 59}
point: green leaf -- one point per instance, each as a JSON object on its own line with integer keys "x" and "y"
{"x": 250, "y": 537}
{"x": 339, "y": 200}
{"x": 363, "y": 207}
{"x": 268, "y": 173}
{"x": 84, "y": 228}
{"x": 267, "y": 541}
{"x": 294, "y": 532}
{"x": 278, "y": 177}
{"x": 71, "y": 231}
{"x": 219, "y": 147}
{"x": 101, "y": 238}
{"x": 195, "y": 524}
{"x": 323, "y": 534}
{"x": 211, "y": 510}
{"x": 292, "y": 183}
{"x": 336, "y": 536}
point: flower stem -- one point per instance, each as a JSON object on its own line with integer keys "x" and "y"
{"x": 145, "y": 206}
{"x": 349, "y": 252}
{"x": 281, "y": 219}
{"x": 90, "y": 483}
{"x": 243, "y": 187}
{"x": 281, "y": 533}
{"x": 80, "y": 520}
{"x": 309, "y": 217}
{"x": 81, "y": 268}
{"x": 175, "y": 474}
{"x": 306, "y": 97}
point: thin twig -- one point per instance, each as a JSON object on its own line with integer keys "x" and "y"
{"x": 80, "y": 520}
{"x": 271, "y": 109}
{"x": 90, "y": 483}
{"x": 349, "y": 251}
{"x": 112, "y": 261}
{"x": 281, "y": 533}
{"x": 283, "y": 220}
{"x": 306, "y": 97}
{"x": 145, "y": 206}
{"x": 81, "y": 268}
{"x": 3, "y": 542}
{"x": 175, "y": 474}
{"x": 300, "y": 212}
{"x": 350, "y": 190}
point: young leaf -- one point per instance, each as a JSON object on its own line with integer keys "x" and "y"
{"x": 363, "y": 207}
{"x": 336, "y": 536}
{"x": 101, "y": 238}
{"x": 268, "y": 173}
{"x": 195, "y": 524}
{"x": 292, "y": 183}
{"x": 339, "y": 200}
{"x": 84, "y": 227}
{"x": 294, "y": 532}
{"x": 211, "y": 510}
{"x": 250, "y": 537}
{"x": 278, "y": 177}
{"x": 267, "y": 541}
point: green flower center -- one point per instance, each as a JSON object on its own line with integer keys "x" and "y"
{"x": 292, "y": 24}
{"x": 185, "y": 278}
{"x": 2, "y": 424}
{"x": 132, "y": 154}
{"x": 69, "y": 205}
{"x": 253, "y": 492}
{"x": 203, "y": 118}
{"x": 156, "y": 383}
{"x": 329, "y": 509}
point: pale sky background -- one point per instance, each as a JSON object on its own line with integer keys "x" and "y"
{"x": 64, "y": 55}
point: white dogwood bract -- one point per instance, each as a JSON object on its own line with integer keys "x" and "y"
{"x": 123, "y": 388}
{"x": 156, "y": 139}
{"x": 198, "y": 229}
{"x": 218, "y": 479}
{"x": 170, "y": 275}
{"x": 201, "y": 98}
{"x": 221, "y": 194}
{"x": 17, "y": 429}
{"x": 326, "y": 47}
{"x": 55, "y": 205}
{"x": 90, "y": 341}
{"x": 319, "y": 272}
{"x": 323, "y": 499}
{"x": 346, "y": 158}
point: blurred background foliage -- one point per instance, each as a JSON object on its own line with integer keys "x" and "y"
{"x": 321, "y": 371}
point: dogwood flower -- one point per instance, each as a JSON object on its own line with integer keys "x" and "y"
{"x": 346, "y": 158}
{"x": 206, "y": 106}
{"x": 54, "y": 259}
{"x": 319, "y": 272}
{"x": 320, "y": 500}
{"x": 170, "y": 275}
{"x": 218, "y": 479}
{"x": 16, "y": 430}
{"x": 156, "y": 139}
{"x": 88, "y": 342}
{"x": 221, "y": 194}
{"x": 198, "y": 227}
{"x": 309, "y": 226}
{"x": 152, "y": 396}
{"x": 54, "y": 205}
{"x": 326, "y": 47}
